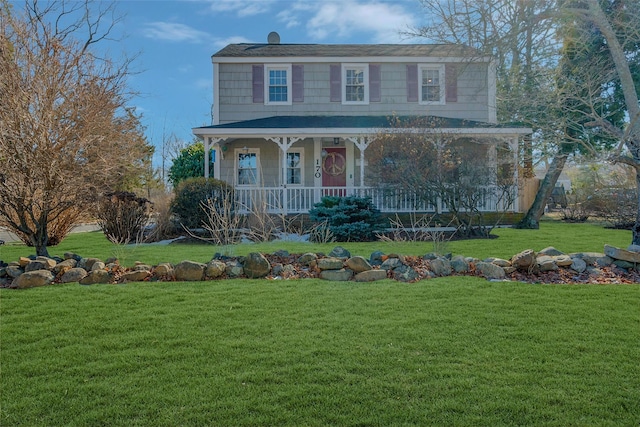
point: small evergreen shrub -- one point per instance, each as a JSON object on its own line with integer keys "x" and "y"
{"x": 193, "y": 196}
{"x": 350, "y": 219}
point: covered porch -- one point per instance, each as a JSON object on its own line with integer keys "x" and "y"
{"x": 285, "y": 165}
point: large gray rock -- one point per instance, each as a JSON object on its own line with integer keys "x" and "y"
{"x": 234, "y": 269}
{"x": 73, "y": 275}
{"x": 189, "y": 271}
{"x": 490, "y": 271}
{"x": 307, "y": 258}
{"x": 65, "y": 265}
{"x": 256, "y": 265}
{"x": 546, "y": 263}
{"x": 98, "y": 265}
{"x": 390, "y": 264}
{"x": 215, "y": 269}
{"x": 460, "y": 264}
{"x": 578, "y": 265}
{"x": 40, "y": 263}
{"x": 371, "y": 276}
{"x": 551, "y": 251}
{"x": 33, "y": 279}
{"x": 593, "y": 258}
{"x": 14, "y": 271}
{"x": 562, "y": 260}
{"x": 330, "y": 263}
{"x": 441, "y": 266}
{"x": 376, "y": 258}
{"x": 95, "y": 277}
{"x": 341, "y": 275}
{"x": 524, "y": 260}
{"x": 340, "y": 252}
{"x": 622, "y": 254}
{"x": 404, "y": 273}
{"x": 358, "y": 264}
{"x": 88, "y": 263}
{"x": 164, "y": 270}
{"x": 135, "y": 276}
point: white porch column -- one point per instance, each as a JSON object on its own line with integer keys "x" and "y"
{"x": 362, "y": 142}
{"x": 284, "y": 143}
{"x": 317, "y": 169}
{"x": 208, "y": 142}
{"x": 206, "y": 157}
{"x": 513, "y": 144}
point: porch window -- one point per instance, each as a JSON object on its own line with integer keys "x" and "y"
{"x": 295, "y": 161}
{"x": 356, "y": 80}
{"x": 247, "y": 167}
{"x": 278, "y": 84}
{"x": 432, "y": 84}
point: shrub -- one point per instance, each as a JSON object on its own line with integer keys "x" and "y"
{"x": 122, "y": 216}
{"x": 349, "y": 218}
{"x": 194, "y": 193}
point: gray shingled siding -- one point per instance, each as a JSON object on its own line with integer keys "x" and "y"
{"x": 236, "y": 96}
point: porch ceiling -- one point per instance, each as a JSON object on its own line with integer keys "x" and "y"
{"x": 310, "y": 126}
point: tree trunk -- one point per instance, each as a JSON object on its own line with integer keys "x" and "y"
{"x": 40, "y": 239}
{"x": 532, "y": 218}
{"x": 635, "y": 238}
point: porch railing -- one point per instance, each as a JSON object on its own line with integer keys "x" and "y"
{"x": 297, "y": 200}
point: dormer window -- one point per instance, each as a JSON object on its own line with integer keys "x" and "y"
{"x": 356, "y": 84}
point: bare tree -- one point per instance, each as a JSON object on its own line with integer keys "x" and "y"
{"x": 618, "y": 22}
{"x": 66, "y": 133}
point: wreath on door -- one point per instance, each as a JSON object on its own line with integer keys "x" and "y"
{"x": 334, "y": 164}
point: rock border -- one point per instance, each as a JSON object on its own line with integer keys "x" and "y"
{"x": 549, "y": 265}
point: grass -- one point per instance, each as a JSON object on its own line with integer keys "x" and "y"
{"x": 566, "y": 237}
{"x": 455, "y": 351}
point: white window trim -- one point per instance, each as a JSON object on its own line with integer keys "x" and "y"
{"x": 301, "y": 152}
{"x": 365, "y": 69}
{"x": 238, "y": 151}
{"x": 288, "y": 69}
{"x": 441, "y": 75}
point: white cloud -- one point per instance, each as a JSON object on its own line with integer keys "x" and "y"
{"x": 383, "y": 20}
{"x": 220, "y": 43}
{"x": 288, "y": 18}
{"x": 175, "y": 32}
{"x": 242, "y": 8}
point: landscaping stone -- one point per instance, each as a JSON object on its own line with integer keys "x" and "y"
{"x": 431, "y": 256}
{"x": 3, "y": 272}
{"x": 14, "y": 271}
{"x": 33, "y": 279}
{"x": 234, "y": 269}
{"x": 135, "y": 276}
{"x": 330, "y": 263}
{"x": 376, "y": 258}
{"x": 288, "y": 270}
{"x": 98, "y": 265}
{"x": 562, "y": 260}
{"x": 593, "y": 258}
{"x": 71, "y": 255}
{"x": 490, "y": 270}
{"x": 340, "y": 252}
{"x": 189, "y": 271}
{"x": 546, "y": 263}
{"x": 501, "y": 262}
{"x": 342, "y": 275}
{"x": 215, "y": 269}
{"x": 578, "y": 265}
{"x": 277, "y": 269}
{"x": 256, "y": 266}
{"x": 74, "y": 274}
{"x": 114, "y": 260}
{"x": 281, "y": 253}
{"x": 524, "y": 260}
{"x": 404, "y": 273}
{"x": 624, "y": 264}
{"x": 441, "y": 266}
{"x": 307, "y": 258}
{"x": 633, "y": 248}
{"x": 96, "y": 277}
{"x": 459, "y": 264}
{"x": 140, "y": 267}
{"x": 88, "y": 263}
{"x": 551, "y": 251}
{"x": 622, "y": 254}
{"x": 164, "y": 269}
{"x": 65, "y": 265}
{"x": 23, "y": 261}
{"x": 358, "y": 264}
{"x": 40, "y": 263}
{"x": 371, "y": 276}
{"x": 390, "y": 264}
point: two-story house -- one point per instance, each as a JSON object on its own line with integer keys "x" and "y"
{"x": 292, "y": 122}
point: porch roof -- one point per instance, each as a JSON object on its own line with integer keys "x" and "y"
{"x": 353, "y": 125}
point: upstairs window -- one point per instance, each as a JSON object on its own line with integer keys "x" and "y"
{"x": 278, "y": 85}
{"x": 432, "y": 89}
{"x": 356, "y": 82}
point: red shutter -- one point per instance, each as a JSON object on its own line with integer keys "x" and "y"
{"x": 258, "y": 83}
{"x": 374, "y": 83}
{"x": 335, "y": 78}
{"x": 451, "y": 83}
{"x": 412, "y": 83}
{"x": 297, "y": 83}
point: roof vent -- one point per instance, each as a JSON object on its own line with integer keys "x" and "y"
{"x": 273, "y": 38}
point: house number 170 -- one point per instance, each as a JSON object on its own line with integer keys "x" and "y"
{"x": 318, "y": 174}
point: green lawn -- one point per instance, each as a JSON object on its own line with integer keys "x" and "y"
{"x": 449, "y": 351}
{"x": 566, "y": 237}
{"x": 455, "y": 351}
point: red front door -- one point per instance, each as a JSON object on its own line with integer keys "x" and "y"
{"x": 334, "y": 170}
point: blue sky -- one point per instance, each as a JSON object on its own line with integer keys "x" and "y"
{"x": 176, "y": 39}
